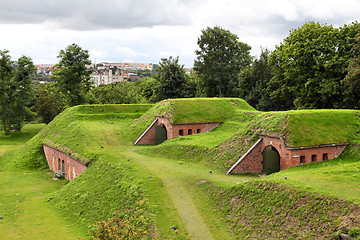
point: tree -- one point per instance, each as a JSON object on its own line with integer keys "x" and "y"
{"x": 15, "y": 90}
{"x": 219, "y": 60}
{"x": 147, "y": 87}
{"x": 118, "y": 93}
{"x": 6, "y": 73}
{"x": 24, "y": 69}
{"x": 49, "y": 102}
{"x": 308, "y": 67}
{"x": 172, "y": 78}
{"x": 253, "y": 82}
{"x": 353, "y": 75}
{"x": 71, "y": 74}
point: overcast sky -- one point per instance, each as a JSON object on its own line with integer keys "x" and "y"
{"x": 146, "y": 31}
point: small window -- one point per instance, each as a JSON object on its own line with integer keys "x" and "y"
{"x": 302, "y": 159}
{"x": 325, "y": 156}
{"x": 181, "y": 132}
{"x": 198, "y": 130}
{"x": 313, "y": 158}
{"x": 189, "y": 131}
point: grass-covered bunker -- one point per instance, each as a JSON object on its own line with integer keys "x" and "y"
{"x": 270, "y": 154}
{"x": 183, "y": 117}
{"x": 269, "y": 141}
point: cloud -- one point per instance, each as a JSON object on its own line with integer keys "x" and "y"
{"x": 93, "y": 14}
{"x": 146, "y": 31}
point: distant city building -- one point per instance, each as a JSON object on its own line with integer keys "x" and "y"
{"x": 128, "y": 66}
{"x": 45, "y": 69}
{"x": 105, "y": 77}
{"x": 104, "y": 73}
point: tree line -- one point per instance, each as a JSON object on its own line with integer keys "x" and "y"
{"x": 316, "y": 66}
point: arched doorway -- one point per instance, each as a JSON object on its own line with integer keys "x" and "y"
{"x": 160, "y": 133}
{"x": 271, "y": 160}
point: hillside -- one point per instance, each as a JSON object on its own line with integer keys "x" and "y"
{"x": 181, "y": 182}
{"x": 224, "y": 145}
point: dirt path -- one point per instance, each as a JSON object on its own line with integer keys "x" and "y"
{"x": 189, "y": 213}
{"x": 175, "y": 177}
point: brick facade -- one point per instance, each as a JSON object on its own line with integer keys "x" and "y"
{"x": 60, "y": 161}
{"x": 252, "y": 161}
{"x": 174, "y": 130}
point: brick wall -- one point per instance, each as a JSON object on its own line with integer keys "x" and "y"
{"x": 70, "y": 166}
{"x": 289, "y": 157}
{"x": 175, "y": 130}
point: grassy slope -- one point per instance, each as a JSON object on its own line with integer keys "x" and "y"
{"x": 265, "y": 210}
{"x": 22, "y": 204}
{"x": 223, "y": 146}
{"x": 85, "y": 133}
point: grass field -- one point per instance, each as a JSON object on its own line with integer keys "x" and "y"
{"x": 178, "y": 183}
{"x": 23, "y": 207}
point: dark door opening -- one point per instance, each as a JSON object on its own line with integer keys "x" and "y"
{"x": 160, "y": 133}
{"x": 271, "y": 160}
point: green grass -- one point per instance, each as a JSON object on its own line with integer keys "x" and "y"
{"x": 191, "y": 110}
{"x": 25, "y": 212}
{"x": 181, "y": 191}
{"x": 337, "y": 177}
{"x": 315, "y": 127}
{"x": 23, "y": 207}
{"x": 206, "y": 109}
{"x": 264, "y": 210}
{"x": 16, "y": 139}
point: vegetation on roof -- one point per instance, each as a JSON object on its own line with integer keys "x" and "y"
{"x": 142, "y": 188}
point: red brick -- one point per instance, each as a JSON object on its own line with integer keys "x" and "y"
{"x": 72, "y": 166}
{"x": 289, "y": 157}
{"x": 173, "y": 130}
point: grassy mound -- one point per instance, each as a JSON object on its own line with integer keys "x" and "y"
{"x": 223, "y": 146}
{"x": 105, "y": 188}
{"x": 69, "y": 133}
{"x": 101, "y": 192}
{"x": 140, "y": 191}
{"x": 316, "y": 127}
{"x": 264, "y": 210}
{"x": 191, "y": 110}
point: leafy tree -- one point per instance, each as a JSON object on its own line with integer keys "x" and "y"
{"x": 147, "y": 87}
{"x": 49, "y": 102}
{"x": 71, "y": 75}
{"x": 24, "y": 68}
{"x": 172, "y": 78}
{"x": 309, "y": 65}
{"x": 6, "y": 73}
{"x": 353, "y": 75}
{"x": 253, "y": 82}
{"x": 219, "y": 60}
{"x": 15, "y": 90}
{"x": 118, "y": 93}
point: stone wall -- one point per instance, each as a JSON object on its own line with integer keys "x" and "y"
{"x": 60, "y": 161}
{"x": 253, "y": 161}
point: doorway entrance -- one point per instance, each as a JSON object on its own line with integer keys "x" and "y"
{"x": 271, "y": 160}
{"x": 160, "y": 133}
